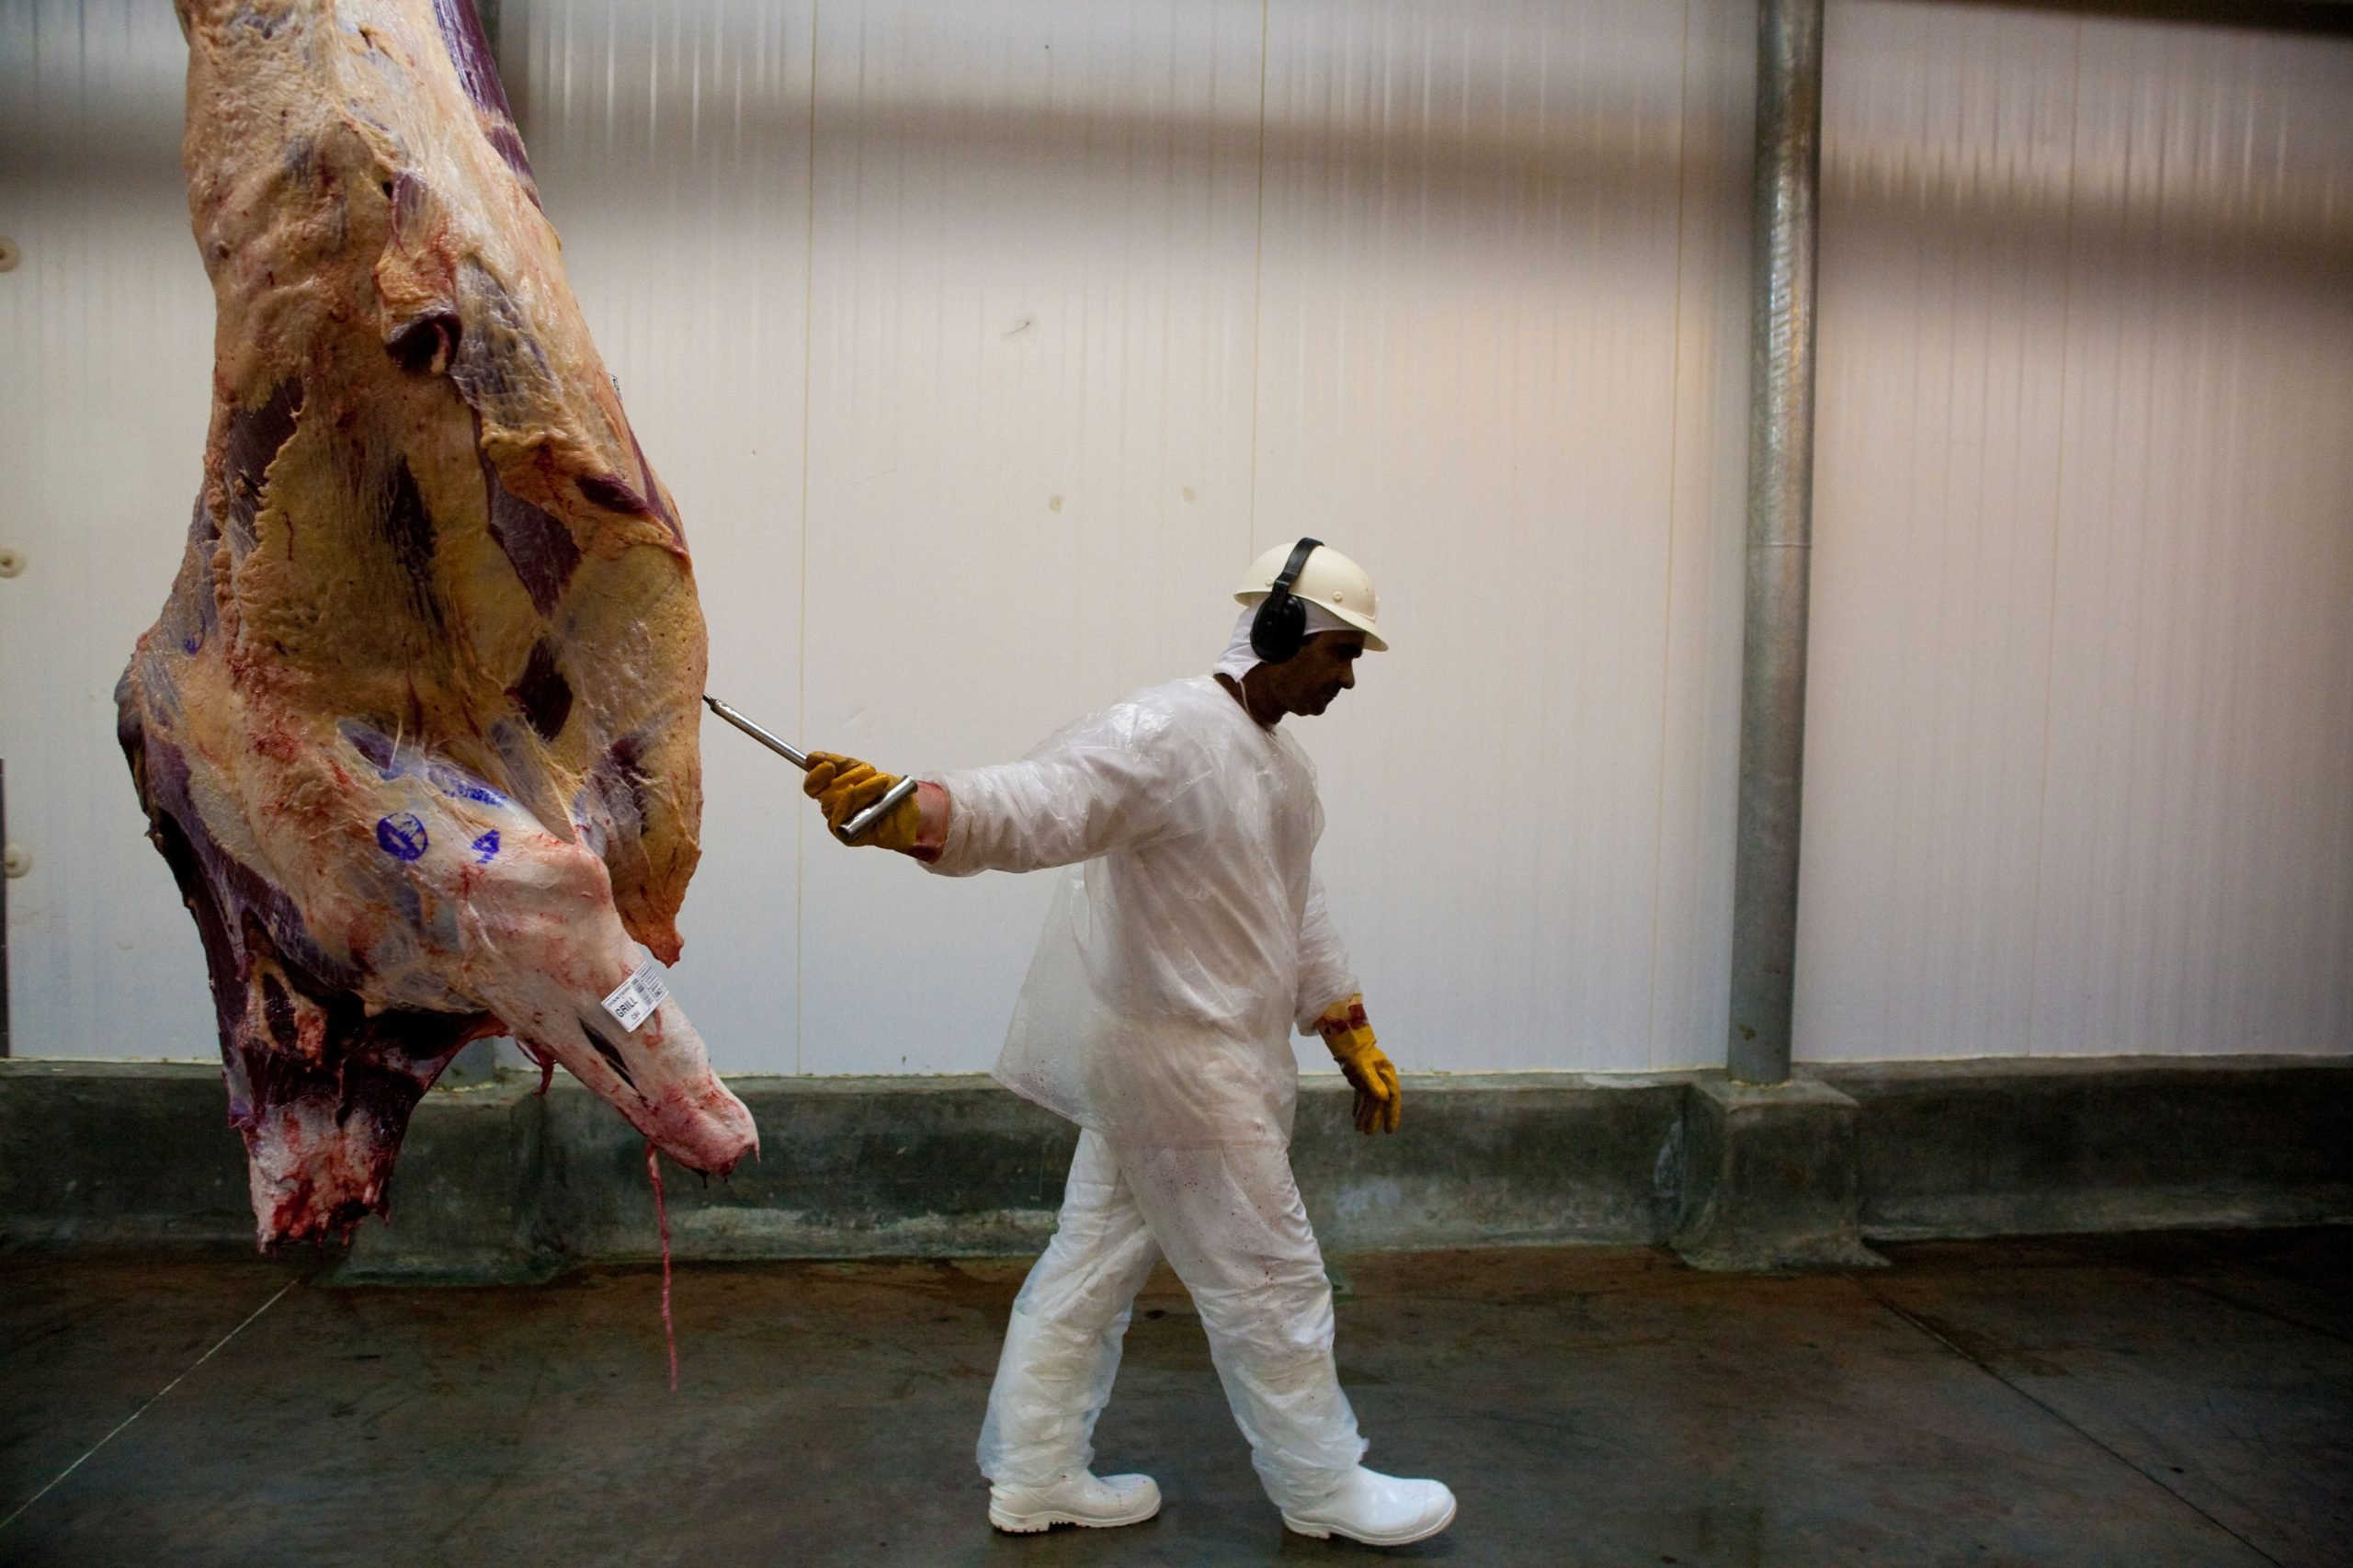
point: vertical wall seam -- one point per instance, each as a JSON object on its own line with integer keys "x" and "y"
{"x": 2058, "y": 521}
{"x": 1978, "y": 997}
{"x": 808, "y": 381}
{"x": 1674, "y": 472}
{"x": 2150, "y": 615}
{"x": 1257, "y": 284}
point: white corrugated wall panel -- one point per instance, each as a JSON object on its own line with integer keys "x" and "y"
{"x": 671, "y": 144}
{"x": 982, "y": 347}
{"x": 105, "y": 362}
{"x": 1029, "y": 403}
{"x": 1082, "y": 335}
{"x": 2079, "y": 774}
{"x": 1498, "y": 238}
{"x": 2197, "y": 891}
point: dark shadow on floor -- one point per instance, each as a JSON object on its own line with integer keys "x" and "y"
{"x": 2136, "y": 1400}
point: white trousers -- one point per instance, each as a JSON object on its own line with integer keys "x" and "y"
{"x": 1231, "y": 1224}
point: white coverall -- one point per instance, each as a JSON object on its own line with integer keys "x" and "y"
{"x": 1186, "y": 939}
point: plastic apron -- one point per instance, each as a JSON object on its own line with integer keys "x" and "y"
{"x": 1188, "y": 932}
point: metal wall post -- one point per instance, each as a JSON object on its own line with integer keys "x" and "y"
{"x": 1780, "y": 535}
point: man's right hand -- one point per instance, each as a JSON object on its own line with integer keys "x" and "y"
{"x": 843, "y": 786}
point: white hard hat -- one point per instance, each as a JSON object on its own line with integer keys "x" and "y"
{"x": 1329, "y": 579}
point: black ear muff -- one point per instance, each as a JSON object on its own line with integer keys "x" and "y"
{"x": 1280, "y": 625}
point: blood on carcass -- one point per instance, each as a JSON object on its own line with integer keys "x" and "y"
{"x": 418, "y": 728}
{"x": 662, "y": 1219}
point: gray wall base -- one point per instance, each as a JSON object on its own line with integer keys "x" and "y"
{"x": 1768, "y": 1178}
{"x": 956, "y": 1166}
{"x": 468, "y": 1196}
{"x": 1996, "y": 1148}
{"x": 129, "y": 1154}
{"x": 499, "y": 1183}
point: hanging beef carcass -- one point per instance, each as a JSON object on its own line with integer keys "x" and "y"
{"x": 416, "y": 729}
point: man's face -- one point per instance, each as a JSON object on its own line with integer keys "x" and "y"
{"x": 1324, "y": 667}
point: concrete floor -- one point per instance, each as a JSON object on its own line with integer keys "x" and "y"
{"x": 2142, "y": 1401}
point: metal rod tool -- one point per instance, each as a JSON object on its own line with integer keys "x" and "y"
{"x": 851, "y": 830}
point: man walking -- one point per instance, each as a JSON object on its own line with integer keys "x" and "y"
{"x": 1187, "y": 934}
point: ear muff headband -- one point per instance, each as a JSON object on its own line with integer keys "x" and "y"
{"x": 1280, "y": 625}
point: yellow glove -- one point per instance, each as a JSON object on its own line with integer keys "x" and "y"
{"x": 843, "y": 786}
{"x": 1349, "y": 1036}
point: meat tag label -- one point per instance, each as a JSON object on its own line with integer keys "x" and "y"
{"x": 634, "y": 999}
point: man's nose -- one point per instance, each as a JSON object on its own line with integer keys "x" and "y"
{"x": 1348, "y": 678}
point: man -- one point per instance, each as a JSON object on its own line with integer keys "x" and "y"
{"x": 1187, "y": 934}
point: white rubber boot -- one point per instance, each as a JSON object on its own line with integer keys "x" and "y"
{"x": 1078, "y": 1499}
{"x": 1377, "y": 1509}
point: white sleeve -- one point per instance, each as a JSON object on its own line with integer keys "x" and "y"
{"x": 1106, "y": 782}
{"x": 1324, "y": 976}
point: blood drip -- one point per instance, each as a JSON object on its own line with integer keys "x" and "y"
{"x": 662, "y": 1213}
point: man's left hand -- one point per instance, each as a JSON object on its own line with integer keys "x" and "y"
{"x": 1348, "y": 1034}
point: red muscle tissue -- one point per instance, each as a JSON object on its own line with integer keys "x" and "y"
{"x": 416, "y": 729}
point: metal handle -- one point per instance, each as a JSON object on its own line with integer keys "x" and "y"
{"x": 857, "y": 826}
{"x": 850, "y": 831}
